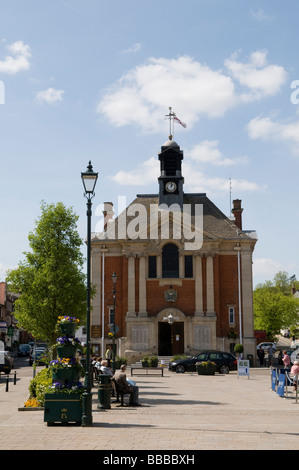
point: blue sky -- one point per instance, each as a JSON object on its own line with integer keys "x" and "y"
{"x": 92, "y": 80}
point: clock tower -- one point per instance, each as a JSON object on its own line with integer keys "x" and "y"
{"x": 171, "y": 180}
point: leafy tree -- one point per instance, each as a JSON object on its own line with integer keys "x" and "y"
{"x": 274, "y": 307}
{"x": 50, "y": 280}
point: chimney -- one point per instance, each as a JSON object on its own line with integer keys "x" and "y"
{"x": 108, "y": 213}
{"x": 237, "y": 212}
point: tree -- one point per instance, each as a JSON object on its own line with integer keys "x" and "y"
{"x": 274, "y": 307}
{"x": 50, "y": 280}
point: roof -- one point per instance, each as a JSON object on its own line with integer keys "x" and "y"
{"x": 216, "y": 225}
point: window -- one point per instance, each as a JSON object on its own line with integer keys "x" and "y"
{"x": 231, "y": 315}
{"x": 170, "y": 261}
{"x": 189, "y": 266}
{"x": 152, "y": 266}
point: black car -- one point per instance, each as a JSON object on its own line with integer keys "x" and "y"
{"x": 224, "y": 362}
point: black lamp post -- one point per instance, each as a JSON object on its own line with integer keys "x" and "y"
{"x": 114, "y": 279}
{"x": 89, "y": 179}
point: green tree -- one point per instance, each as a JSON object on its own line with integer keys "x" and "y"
{"x": 50, "y": 279}
{"x": 274, "y": 307}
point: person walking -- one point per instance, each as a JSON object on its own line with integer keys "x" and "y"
{"x": 108, "y": 354}
{"x": 286, "y": 360}
{"x": 261, "y": 355}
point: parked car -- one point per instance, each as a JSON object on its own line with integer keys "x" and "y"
{"x": 6, "y": 362}
{"x": 266, "y": 346}
{"x": 224, "y": 362}
{"x": 24, "y": 350}
{"x": 38, "y": 355}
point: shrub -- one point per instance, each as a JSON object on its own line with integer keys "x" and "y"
{"x": 39, "y": 384}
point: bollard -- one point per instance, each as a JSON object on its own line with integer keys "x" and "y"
{"x": 15, "y": 377}
{"x": 104, "y": 391}
{"x": 7, "y": 381}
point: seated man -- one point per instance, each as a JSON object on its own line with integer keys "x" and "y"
{"x": 121, "y": 379}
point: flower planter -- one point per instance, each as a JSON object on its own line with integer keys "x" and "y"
{"x": 67, "y": 350}
{"x": 68, "y": 329}
{"x": 206, "y": 370}
{"x": 66, "y": 374}
{"x": 62, "y": 408}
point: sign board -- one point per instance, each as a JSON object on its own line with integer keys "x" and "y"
{"x": 273, "y": 380}
{"x": 243, "y": 367}
{"x": 95, "y": 331}
{"x": 281, "y": 384}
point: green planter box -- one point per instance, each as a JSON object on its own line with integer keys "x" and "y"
{"x": 67, "y": 350}
{"x": 206, "y": 370}
{"x": 68, "y": 329}
{"x": 69, "y": 374}
{"x": 62, "y": 408}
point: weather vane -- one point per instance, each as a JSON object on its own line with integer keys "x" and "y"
{"x": 172, "y": 118}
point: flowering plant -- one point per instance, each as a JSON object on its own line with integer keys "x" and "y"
{"x": 67, "y": 319}
{"x": 205, "y": 363}
{"x": 111, "y": 335}
{"x": 63, "y": 340}
{"x": 64, "y": 362}
{"x": 65, "y": 388}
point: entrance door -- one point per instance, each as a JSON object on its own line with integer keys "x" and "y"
{"x": 171, "y": 338}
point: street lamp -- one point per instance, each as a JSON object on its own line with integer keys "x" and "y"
{"x": 89, "y": 179}
{"x": 114, "y": 279}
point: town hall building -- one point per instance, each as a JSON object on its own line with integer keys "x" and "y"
{"x": 184, "y": 272}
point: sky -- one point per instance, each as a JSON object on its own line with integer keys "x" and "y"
{"x": 93, "y": 80}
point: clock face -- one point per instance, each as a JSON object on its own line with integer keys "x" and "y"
{"x": 170, "y": 186}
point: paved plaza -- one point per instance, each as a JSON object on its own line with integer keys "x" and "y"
{"x": 181, "y": 412}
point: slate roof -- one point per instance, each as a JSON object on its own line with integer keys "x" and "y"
{"x": 216, "y": 225}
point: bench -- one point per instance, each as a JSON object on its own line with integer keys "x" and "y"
{"x": 120, "y": 392}
{"x": 147, "y": 370}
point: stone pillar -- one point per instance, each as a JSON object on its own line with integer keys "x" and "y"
{"x": 131, "y": 286}
{"x": 142, "y": 286}
{"x": 198, "y": 286}
{"x": 210, "y": 286}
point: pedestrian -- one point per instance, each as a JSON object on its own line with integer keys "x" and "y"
{"x": 108, "y": 354}
{"x": 261, "y": 355}
{"x": 271, "y": 353}
{"x": 294, "y": 373}
{"x": 286, "y": 359}
{"x": 127, "y": 385}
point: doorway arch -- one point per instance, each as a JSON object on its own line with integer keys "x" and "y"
{"x": 171, "y": 334}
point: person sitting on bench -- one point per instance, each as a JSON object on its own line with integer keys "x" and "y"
{"x": 127, "y": 386}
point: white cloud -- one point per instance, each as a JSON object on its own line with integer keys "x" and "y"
{"x": 207, "y": 151}
{"x": 3, "y": 270}
{"x": 262, "y": 79}
{"x": 146, "y": 173}
{"x": 142, "y": 95}
{"x": 50, "y": 96}
{"x": 260, "y": 15}
{"x": 18, "y": 60}
{"x": 133, "y": 49}
{"x": 267, "y": 129}
{"x": 266, "y": 268}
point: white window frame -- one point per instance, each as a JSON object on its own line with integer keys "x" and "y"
{"x": 231, "y": 315}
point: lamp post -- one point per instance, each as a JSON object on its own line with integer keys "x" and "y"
{"x": 89, "y": 179}
{"x": 114, "y": 280}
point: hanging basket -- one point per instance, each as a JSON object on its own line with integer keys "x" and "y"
{"x": 69, "y": 374}
{"x": 67, "y": 350}
{"x": 68, "y": 329}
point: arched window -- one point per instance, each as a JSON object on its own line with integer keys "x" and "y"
{"x": 170, "y": 261}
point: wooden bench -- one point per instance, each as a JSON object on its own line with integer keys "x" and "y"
{"x": 120, "y": 392}
{"x": 147, "y": 370}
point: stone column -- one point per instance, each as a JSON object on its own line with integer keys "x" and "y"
{"x": 198, "y": 285}
{"x": 210, "y": 285}
{"x": 142, "y": 286}
{"x": 131, "y": 286}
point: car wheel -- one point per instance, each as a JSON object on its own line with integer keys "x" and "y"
{"x": 224, "y": 369}
{"x": 180, "y": 369}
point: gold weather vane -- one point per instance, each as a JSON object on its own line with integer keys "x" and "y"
{"x": 172, "y": 118}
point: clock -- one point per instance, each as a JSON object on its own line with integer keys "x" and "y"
{"x": 170, "y": 186}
